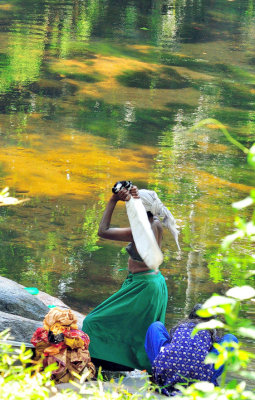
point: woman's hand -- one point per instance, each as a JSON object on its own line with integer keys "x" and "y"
{"x": 123, "y": 195}
{"x": 134, "y": 192}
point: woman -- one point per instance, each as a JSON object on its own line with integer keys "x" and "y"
{"x": 178, "y": 357}
{"x": 118, "y": 326}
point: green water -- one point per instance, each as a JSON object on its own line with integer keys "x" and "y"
{"x": 96, "y": 91}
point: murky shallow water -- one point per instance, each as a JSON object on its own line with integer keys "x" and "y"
{"x": 96, "y": 91}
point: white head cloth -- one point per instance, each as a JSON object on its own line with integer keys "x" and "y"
{"x": 153, "y": 204}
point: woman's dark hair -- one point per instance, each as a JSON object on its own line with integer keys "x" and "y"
{"x": 194, "y": 319}
{"x": 149, "y": 214}
{"x": 193, "y": 312}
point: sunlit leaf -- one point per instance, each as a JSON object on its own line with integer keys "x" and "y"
{"x": 210, "y": 311}
{"x": 220, "y": 361}
{"x": 228, "y": 240}
{"x": 241, "y": 386}
{"x": 4, "y": 192}
{"x": 211, "y": 358}
{"x": 217, "y": 301}
{"x": 238, "y": 205}
{"x": 241, "y": 293}
{"x": 9, "y": 201}
{"x": 204, "y": 386}
{"x": 212, "y": 324}
{"x": 247, "y": 332}
{"x": 250, "y": 228}
{"x": 250, "y": 273}
{"x": 251, "y": 156}
{"x": 248, "y": 374}
{"x": 244, "y": 355}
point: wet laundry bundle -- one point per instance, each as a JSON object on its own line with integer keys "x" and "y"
{"x": 60, "y": 341}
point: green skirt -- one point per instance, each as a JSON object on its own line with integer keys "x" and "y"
{"x": 118, "y": 326}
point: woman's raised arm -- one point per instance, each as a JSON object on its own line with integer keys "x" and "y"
{"x": 105, "y": 231}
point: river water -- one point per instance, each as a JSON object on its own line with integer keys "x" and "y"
{"x": 95, "y": 91}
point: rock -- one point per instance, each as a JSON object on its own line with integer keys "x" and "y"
{"x": 23, "y": 312}
{"x": 21, "y": 328}
{"x": 14, "y": 299}
{"x": 49, "y": 300}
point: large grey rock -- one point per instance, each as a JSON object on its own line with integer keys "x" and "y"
{"x": 21, "y": 329}
{"x": 14, "y": 299}
{"x": 23, "y": 312}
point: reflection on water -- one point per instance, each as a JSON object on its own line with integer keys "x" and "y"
{"x": 95, "y": 91}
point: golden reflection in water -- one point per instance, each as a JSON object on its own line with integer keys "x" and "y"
{"x": 76, "y": 165}
{"x": 212, "y": 183}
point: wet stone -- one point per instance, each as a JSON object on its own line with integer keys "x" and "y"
{"x": 14, "y": 299}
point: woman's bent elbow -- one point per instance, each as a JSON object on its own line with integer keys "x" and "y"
{"x": 101, "y": 233}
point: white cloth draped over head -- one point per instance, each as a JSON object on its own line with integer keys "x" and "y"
{"x": 153, "y": 204}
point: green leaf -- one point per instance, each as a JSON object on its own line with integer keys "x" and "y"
{"x": 241, "y": 293}
{"x": 232, "y": 384}
{"x": 210, "y": 312}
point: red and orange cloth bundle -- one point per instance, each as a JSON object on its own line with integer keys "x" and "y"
{"x": 60, "y": 341}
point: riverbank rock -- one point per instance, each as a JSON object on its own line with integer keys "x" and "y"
{"x": 14, "y": 299}
{"x": 21, "y": 329}
{"x": 23, "y": 312}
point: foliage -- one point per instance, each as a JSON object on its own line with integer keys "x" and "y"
{"x": 20, "y": 378}
{"x": 231, "y": 355}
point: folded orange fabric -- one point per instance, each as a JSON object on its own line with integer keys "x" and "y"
{"x": 64, "y": 317}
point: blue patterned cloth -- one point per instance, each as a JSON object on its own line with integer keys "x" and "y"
{"x": 183, "y": 357}
{"x": 180, "y": 358}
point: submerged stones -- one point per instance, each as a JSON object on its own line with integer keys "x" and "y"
{"x": 165, "y": 78}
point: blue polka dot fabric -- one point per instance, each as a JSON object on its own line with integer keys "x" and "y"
{"x": 183, "y": 358}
